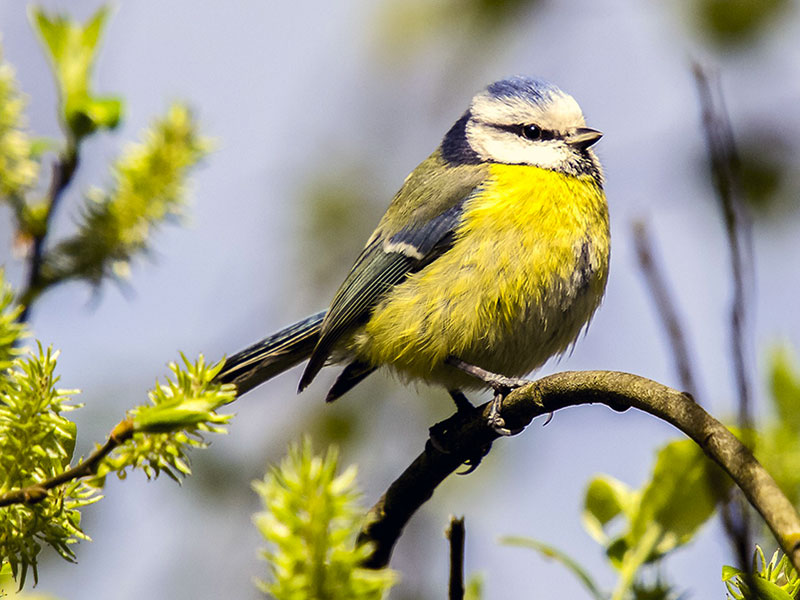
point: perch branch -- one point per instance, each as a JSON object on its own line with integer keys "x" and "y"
{"x": 465, "y": 433}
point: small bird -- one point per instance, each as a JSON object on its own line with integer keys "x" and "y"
{"x": 491, "y": 258}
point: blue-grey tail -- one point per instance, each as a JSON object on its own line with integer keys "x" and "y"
{"x": 272, "y": 355}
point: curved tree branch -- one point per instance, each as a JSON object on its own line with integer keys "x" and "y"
{"x": 467, "y": 435}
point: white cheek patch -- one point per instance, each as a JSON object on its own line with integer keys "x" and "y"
{"x": 496, "y": 145}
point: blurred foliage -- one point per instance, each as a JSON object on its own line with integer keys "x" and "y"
{"x": 149, "y": 186}
{"x": 18, "y": 170}
{"x": 72, "y": 48}
{"x": 148, "y": 179}
{"x": 766, "y": 160}
{"x": 773, "y": 580}
{"x": 406, "y": 27}
{"x": 736, "y": 22}
{"x": 778, "y": 445}
{"x": 474, "y": 588}
{"x": 311, "y": 520}
{"x": 658, "y": 590}
{"x": 665, "y": 514}
{"x": 766, "y": 164}
{"x": 335, "y": 208}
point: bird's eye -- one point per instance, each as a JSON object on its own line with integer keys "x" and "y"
{"x": 530, "y": 132}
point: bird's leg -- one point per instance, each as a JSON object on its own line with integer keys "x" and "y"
{"x": 501, "y": 385}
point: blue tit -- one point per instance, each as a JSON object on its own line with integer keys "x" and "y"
{"x": 494, "y": 254}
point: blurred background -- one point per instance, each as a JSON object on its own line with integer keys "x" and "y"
{"x": 318, "y": 111}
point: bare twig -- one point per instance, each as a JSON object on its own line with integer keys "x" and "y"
{"x": 38, "y": 491}
{"x": 656, "y": 282}
{"x": 63, "y": 170}
{"x": 724, "y": 163}
{"x": 620, "y": 391}
{"x": 455, "y": 535}
{"x": 725, "y": 171}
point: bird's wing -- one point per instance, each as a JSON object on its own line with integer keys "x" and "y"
{"x": 392, "y": 254}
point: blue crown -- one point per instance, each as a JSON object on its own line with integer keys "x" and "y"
{"x": 531, "y": 89}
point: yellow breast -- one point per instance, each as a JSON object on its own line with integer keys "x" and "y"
{"x": 526, "y": 272}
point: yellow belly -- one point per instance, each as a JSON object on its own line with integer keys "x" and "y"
{"x": 527, "y": 270}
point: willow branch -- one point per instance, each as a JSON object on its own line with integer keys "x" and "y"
{"x": 38, "y": 491}
{"x": 620, "y": 391}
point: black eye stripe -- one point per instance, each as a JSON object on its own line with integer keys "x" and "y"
{"x": 524, "y": 131}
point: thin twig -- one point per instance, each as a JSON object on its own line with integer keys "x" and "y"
{"x": 657, "y": 284}
{"x": 619, "y": 391}
{"x": 63, "y": 171}
{"x": 38, "y": 491}
{"x": 725, "y": 171}
{"x": 455, "y": 535}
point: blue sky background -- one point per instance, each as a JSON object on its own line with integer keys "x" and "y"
{"x": 311, "y": 99}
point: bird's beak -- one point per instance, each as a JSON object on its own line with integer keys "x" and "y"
{"x": 583, "y": 137}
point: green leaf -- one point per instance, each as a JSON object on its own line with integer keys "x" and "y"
{"x": 606, "y": 497}
{"x": 766, "y": 590}
{"x": 553, "y": 553}
{"x": 729, "y": 572}
{"x": 72, "y": 48}
{"x": 682, "y": 495}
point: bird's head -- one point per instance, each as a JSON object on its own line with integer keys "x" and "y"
{"x": 523, "y": 120}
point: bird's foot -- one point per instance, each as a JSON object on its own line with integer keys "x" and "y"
{"x": 501, "y": 385}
